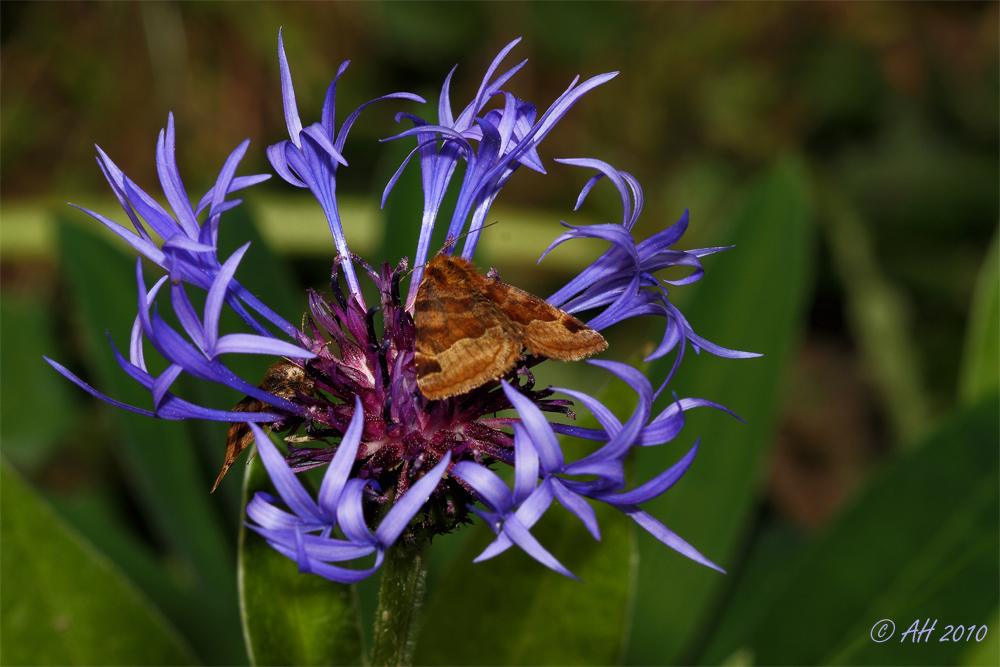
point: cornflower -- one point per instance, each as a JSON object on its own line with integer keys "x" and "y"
{"x": 400, "y": 467}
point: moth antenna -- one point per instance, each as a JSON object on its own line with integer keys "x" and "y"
{"x": 450, "y": 243}
{"x": 418, "y": 266}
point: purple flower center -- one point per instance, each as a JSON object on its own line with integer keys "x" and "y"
{"x": 405, "y": 434}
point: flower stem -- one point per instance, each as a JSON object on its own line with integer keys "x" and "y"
{"x": 400, "y": 598}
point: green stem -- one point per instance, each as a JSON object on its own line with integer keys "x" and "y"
{"x": 400, "y": 598}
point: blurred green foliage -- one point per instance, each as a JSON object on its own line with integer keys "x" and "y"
{"x": 849, "y": 149}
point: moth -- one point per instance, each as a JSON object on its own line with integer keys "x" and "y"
{"x": 283, "y": 379}
{"x": 471, "y": 329}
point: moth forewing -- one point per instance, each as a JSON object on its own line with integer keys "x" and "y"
{"x": 470, "y": 329}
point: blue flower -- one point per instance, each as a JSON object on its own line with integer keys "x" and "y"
{"x": 507, "y": 138}
{"x": 538, "y": 456}
{"x": 310, "y": 156}
{"x": 340, "y": 503}
{"x": 400, "y": 465}
{"x": 189, "y": 252}
{"x": 622, "y": 278}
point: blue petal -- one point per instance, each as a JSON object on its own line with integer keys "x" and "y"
{"x": 276, "y": 156}
{"x": 141, "y": 244}
{"x": 238, "y": 183}
{"x": 328, "y": 112}
{"x": 187, "y": 316}
{"x": 345, "y": 575}
{"x": 292, "y": 121}
{"x": 93, "y": 392}
{"x": 528, "y": 514}
{"x": 486, "y": 483}
{"x": 667, "y": 536}
{"x": 537, "y": 426}
{"x": 351, "y": 515}
{"x": 269, "y": 518}
{"x": 406, "y": 507}
{"x": 170, "y": 179}
{"x": 252, "y": 344}
{"x": 578, "y": 507}
{"x": 163, "y": 383}
{"x": 525, "y": 464}
{"x": 216, "y": 297}
{"x": 523, "y": 538}
{"x": 285, "y": 482}
{"x": 656, "y": 486}
{"x": 340, "y": 467}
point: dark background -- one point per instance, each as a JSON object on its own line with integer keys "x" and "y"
{"x": 891, "y": 109}
{"x": 892, "y": 104}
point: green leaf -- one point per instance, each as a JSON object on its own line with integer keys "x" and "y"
{"x": 765, "y": 573}
{"x": 291, "y": 618}
{"x": 980, "y": 370}
{"x": 751, "y": 298}
{"x": 158, "y": 456}
{"x": 987, "y": 652}
{"x": 402, "y": 220}
{"x": 877, "y": 311}
{"x": 27, "y": 382}
{"x": 921, "y": 543}
{"x": 546, "y": 618}
{"x": 97, "y": 515}
{"x": 514, "y": 611}
{"x": 64, "y": 603}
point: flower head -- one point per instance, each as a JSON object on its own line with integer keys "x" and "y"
{"x": 400, "y": 465}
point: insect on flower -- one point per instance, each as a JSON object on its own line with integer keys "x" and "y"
{"x": 471, "y": 329}
{"x": 285, "y": 379}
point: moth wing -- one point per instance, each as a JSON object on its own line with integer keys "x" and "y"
{"x": 462, "y": 340}
{"x": 549, "y": 331}
{"x": 239, "y": 437}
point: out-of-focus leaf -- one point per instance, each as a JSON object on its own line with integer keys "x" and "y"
{"x": 93, "y": 514}
{"x": 879, "y": 318}
{"x": 158, "y": 456}
{"x": 987, "y": 652}
{"x": 546, "y": 618}
{"x": 980, "y": 373}
{"x": 751, "y": 298}
{"x": 26, "y": 382}
{"x": 403, "y": 208}
{"x": 921, "y": 543}
{"x": 291, "y": 618}
{"x": 63, "y": 603}
{"x": 767, "y": 569}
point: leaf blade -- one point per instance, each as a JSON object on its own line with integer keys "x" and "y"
{"x": 291, "y": 618}
{"x": 61, "y": 596}
{"x": 753, "y": 298}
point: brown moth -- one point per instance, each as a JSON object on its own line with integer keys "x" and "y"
{"x": 471, "y": 328}
{"x": 283, "y": 379}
